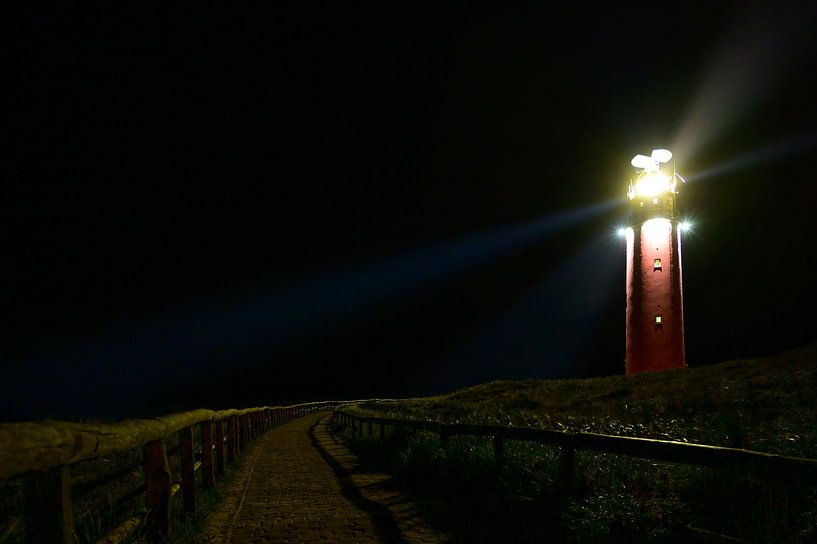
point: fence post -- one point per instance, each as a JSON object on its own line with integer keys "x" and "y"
{"x": 382, "y": 430}
{"x": 208, "y": 478}
{"x": 369, "y": 428}
{"x": 444, "y": 437}
{"x": 220, "y": 448}
{"x": 157, "y": 490}
{"x": 237, "y": 436}
{"x": 231, "y": 440}
{"x": 360, "y": 428}
{"x": 187, "y": 462}
{"x": 778, "y": 505}
{"x": 499, "y": 450}
{"x": 47, "y": 509}
{"x": 567, "y": 469}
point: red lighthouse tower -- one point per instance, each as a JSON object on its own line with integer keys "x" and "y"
{"x": 655, "y": 309}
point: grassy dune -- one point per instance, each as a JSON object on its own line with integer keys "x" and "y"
{"x": 765, "y": 404}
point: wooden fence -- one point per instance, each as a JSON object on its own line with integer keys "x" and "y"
{"x": 45, "y": 452}
{"x": 778, "y": 468}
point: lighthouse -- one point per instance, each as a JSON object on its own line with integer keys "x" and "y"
{"x": 655, "y": 309}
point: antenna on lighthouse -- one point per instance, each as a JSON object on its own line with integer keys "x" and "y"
{"x": 651, "y": 163}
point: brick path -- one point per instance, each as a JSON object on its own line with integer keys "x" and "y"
{"x": 299, "y": 484}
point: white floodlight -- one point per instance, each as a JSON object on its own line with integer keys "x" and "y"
{"x": 684, "y": 225}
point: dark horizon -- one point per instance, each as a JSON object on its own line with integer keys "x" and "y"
{"x": 234, "y": 206}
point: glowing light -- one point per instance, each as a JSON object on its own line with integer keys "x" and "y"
{"x": 684, "y": 225}
{"x": 622, "y": 231}
{"x": 651, "y": 180}
{"x": 652, "y": 184}
{"x": 656, "y": 230}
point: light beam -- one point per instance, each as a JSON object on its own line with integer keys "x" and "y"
{"x": 762, "y": 48}
{"x": 250, "y": 328}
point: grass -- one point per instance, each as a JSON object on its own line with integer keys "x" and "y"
{"x": 763, "y": 404}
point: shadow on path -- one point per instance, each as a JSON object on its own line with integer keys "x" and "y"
{"x": 384, "y": 522}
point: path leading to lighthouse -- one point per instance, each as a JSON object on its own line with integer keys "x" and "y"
{"x": 299, "y": 484}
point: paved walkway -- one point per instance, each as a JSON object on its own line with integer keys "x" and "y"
{"x": 298, "y": 483}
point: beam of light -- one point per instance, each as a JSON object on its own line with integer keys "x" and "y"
{"x": 549, "y": 332}
{"x": 791, "y": 147}
{"x": 251, "y": 328}
{"x": 763, "y": 47}
{"x": 269, "y": 319}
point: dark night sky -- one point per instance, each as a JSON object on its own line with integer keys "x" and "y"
{"x": 233, "y": 204}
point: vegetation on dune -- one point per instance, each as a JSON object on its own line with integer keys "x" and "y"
{"x": 763, "y": 404}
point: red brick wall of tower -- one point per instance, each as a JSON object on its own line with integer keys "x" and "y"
{"x": 654, "y": 290}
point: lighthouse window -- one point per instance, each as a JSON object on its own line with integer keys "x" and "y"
{"x": 658, "y": 320}
{"x": 656, "y": 264}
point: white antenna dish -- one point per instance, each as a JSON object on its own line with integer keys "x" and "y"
{"x": 650, "y": 164}
{"x": 661, "y": 155}
{"x": 642, "y": 161}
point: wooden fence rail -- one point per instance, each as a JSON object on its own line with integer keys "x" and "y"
{"x": 745, "y": 462}
{"x": 43, "y": 453}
